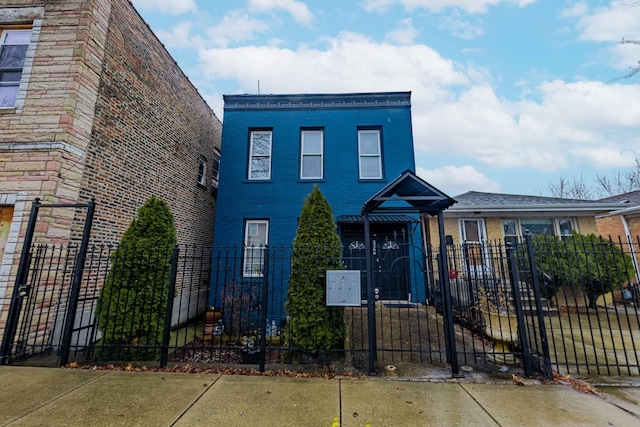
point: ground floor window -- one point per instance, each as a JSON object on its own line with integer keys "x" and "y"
{"x": 515, "y": 229}
{"x": 256, "y": 238}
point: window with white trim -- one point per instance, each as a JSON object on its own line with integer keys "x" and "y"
{"x": 369, "y": 154}
{"x": 13, "y": 51}
{"x": 256, "y": 239}
{"x": 537, "y": 226}
{"x": 510, "y": 229}
{"x": 311, "y": 154}
{"x": 566, "y": 227}
{"x": 516, "y": 229}
{"x": 260, "y": 155}
{"x": 202, "y": 170}
{"x": 215, "y": 169}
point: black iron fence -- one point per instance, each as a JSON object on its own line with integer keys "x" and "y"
{"x": 570, "y": 306}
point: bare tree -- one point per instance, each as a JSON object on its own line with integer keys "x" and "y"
{"x": 575, "y": 189}
{"x": 621, "y": 182}
{"x": 634, "y": 70}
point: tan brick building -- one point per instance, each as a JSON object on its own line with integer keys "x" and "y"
{"x": 494, "y": 217}
{"x": 624, "y": 224}
{"x": 93, "y": 106}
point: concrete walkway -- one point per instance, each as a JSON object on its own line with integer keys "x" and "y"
{"x": 74, "y": 397}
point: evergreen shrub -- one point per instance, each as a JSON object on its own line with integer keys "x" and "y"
{"x": 131, "y": 308}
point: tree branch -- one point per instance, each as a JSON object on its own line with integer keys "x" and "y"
{"x": 634, "y": 71}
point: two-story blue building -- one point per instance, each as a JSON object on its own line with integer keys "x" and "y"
{"x": 275, "y": 148}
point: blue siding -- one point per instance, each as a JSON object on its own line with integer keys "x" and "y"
{"x": 280, "y": 199}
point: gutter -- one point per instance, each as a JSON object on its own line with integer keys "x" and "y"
{"x": 565, "y": 207}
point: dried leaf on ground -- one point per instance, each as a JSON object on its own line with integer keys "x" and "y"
{"x": 576, "y": 384}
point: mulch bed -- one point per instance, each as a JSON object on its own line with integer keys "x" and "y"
{"x": 203, "y": 352}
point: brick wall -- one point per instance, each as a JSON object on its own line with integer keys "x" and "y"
{"x": 44, "y": 138}
{"x": 151, "y": 127}
{"x": 103, "y": 112}
{"x": 610, "y": 226}
{"x": 587, "y": 225}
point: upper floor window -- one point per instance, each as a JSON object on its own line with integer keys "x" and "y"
{"x": 215, "y": 168}
{"x": 13, "y": 50}
{"x": 260, "y": 155}
{"x": 202, "y": 170}
{"x": 369, "y": 154}
{"x": 311, "y": 154}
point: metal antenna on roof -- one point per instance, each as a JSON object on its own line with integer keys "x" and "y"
{"x": 258, "y": 87}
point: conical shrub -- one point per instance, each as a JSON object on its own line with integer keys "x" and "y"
{"x": 312, "y": 326}
{"x": 131, "y": 308}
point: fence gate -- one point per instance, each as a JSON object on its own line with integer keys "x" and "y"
{"x": 42, "y": 312}
{"x": 497, "y": 309}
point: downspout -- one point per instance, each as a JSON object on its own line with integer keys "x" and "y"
{"x": 627, "y": 233}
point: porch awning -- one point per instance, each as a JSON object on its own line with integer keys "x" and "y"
{"x": 408, "y": 193}
{"x": 377, "y": 219}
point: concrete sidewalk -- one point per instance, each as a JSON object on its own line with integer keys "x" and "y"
{"x": 74, "y": 397}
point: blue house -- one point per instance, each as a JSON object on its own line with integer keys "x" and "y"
{"x": 275, "y": 148}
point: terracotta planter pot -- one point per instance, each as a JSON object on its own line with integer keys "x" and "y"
{"x": 211, "y": 317}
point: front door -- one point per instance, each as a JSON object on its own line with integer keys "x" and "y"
{"x": 389, "y": 253}
{"x": 473, "y": 236}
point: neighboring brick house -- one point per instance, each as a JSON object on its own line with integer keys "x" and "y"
{"x": 479, "y": 218}
{"x": 277, "y": 147}
{"x": 93, "y": 106}
{"x": 623, "y": 223}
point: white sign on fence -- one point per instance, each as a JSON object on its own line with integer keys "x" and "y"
{"x": 343, "y": 288}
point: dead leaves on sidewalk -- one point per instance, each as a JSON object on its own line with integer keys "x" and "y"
{"x": 516, "y": 379}
{"x": 576, "y": 384}
{"x": 193, "y": 369}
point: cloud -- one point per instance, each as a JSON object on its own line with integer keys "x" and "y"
{"x": 171, "y": 7}
{"x": 405, "y": 33}
{"x": 469, "y": 6}
{"x": 569, "y": 120}
{"x": 178, "y": 37}
{"x": 298, "y": 10}
{"x": 454, "y": 180}
{"x": 576, "y": 10}
{"x": 605, "y": 24}
{"x": 609, "y": 24}
{"x": 455, "y": 108}
{"x": 459, "y": 27}
{"x": 237, "y": 26}
{"x": 349, "y": 63}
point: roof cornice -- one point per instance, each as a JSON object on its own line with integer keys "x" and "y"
{"x": 317, "y": 101}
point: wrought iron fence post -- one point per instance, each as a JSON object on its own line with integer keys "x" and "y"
{"x": 447, "y": 310}
{"x": 522, "y": 327}
{"x": 74, "y": 294}
{"x": 19, "y": 289}
{"x": 166, "y": 333}
{"x": 538, "y": 296}
{"x": 264, "y": 304}
{"x": 371, "y": 303}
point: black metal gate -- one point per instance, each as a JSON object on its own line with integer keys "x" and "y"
{"x": 497, "y": 309}
{"x": 500, "y": 315}
{"x": 42, "y": 312}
